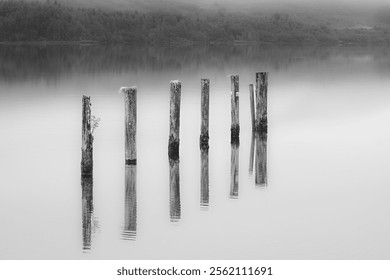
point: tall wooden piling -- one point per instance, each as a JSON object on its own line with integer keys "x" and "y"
{"x": 130, "y": 95}
{"x": 252, "y": 152}
{"x": 205, "y": 104}
{"x": 87, "y": 138}
{"x": 252, "y": 105}
{"x": 261, "y": 102}
{"x": 174, "y": 122}
{"x": 235, "y": 127}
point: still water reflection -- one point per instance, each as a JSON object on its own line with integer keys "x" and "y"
{"x": 130, "y": 228}
{"x": 87, "y": 208}
{"x": 234, "y": 175}
{"x": 261, "y": 159}
{"x": 174, "y": 190}
{"x": 327, "y": 144}
{"x": 204, "y": 179}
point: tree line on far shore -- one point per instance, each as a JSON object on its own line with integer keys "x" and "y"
{"x": 51, "y": 21}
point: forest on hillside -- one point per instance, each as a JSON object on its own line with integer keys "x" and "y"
{"x": 51, "y": 21}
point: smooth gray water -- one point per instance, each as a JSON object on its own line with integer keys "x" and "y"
{"x": 328, "y": 155}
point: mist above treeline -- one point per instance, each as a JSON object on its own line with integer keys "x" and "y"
{"x": 174, "y": 21}
{"x": 335, "y": 13}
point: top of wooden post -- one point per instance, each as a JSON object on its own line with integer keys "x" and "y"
{"x": 126, "y": 90}
{"x": 175, "y": 84}
{"x": 235, "y": 83}
{"x": 261, "y": 75}
{"x": 205, "y": 81}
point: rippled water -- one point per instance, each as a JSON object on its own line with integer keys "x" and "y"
{"x": 316, "y": 188}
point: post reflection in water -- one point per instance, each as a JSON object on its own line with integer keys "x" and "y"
{"x": 130, "y": 228}
{"x": 204, "y": 179}
{"x": 174, "y": 190}
{"x": 234, "y": 170}
{"x": 87, "y": 210}
{"x": 261, "y": 160}
{"x": 252, "y": 152}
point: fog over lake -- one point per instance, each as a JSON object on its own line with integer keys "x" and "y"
{"x": 327, "y": 154}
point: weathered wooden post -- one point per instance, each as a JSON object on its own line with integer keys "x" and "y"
{"x": 174, "y": 123}
{"x": 130, "y": 100}
{"x": 130, "y": 94}
{"x": 173, "y": 151}
{"x": 234, "y": 164}
{"x": 235, "y": 136}
{"x": 252, "y": 105}
{"x": 130, "y": 228}
{"x": 205, "y": 104}
{"x": 251, "y": 155}
{"x": 87, "y": 138}
{"x": 261, "y": 128}
{"x": 261, "y": 102}
{"x": 235, "y": 128}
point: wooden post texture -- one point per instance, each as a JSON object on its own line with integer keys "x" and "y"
{"x": 174, "y": 123}
{"x": 252, "y": 105}
{"x": 205, "y": 104}
{"x": 130, "y": 95}
{"x": 87, "y": 138}
{"x": 261, "y": 102}
{"x": 235, "y": 127}
{"x": 252, "y": 152}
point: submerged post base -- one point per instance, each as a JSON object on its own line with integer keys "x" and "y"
{"x": 204, "y": 141}
{"x": 173, "y": 149}
{"x": 262, "y": 126}
{"x": 235, "y": 134}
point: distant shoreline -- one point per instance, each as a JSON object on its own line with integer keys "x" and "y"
{"x": 228, "y": 43}
{"x": 50, "y": 23}
{"x": 50, "y": 43}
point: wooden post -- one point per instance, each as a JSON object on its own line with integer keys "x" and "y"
{"x": 130, "y": 228}
{"x": 261, "y": 159}
{"x": 252, "y": 105}
{"x": 261, "y": 102}
{"x": 234, "y": 170}
{"x": 204, "y": 129}
{"x": 87, "y": 210}
{"x": 130, "y": 95}
{"x": 235, "y": 128}
{"x": 174, "y": 190}
{"x": 261, "y": 128}
{"x": 251, "y": 155}
{"x": 204, "y": 178}
{"x": 204, "y": 143}
{"x": 87, "y": 139}
{"x": 174, "y": 124}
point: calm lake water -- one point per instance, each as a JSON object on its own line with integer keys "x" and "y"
{"x": 328, "y": 155}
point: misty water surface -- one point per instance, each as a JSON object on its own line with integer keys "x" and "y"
{"x": 328, "y": 155}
